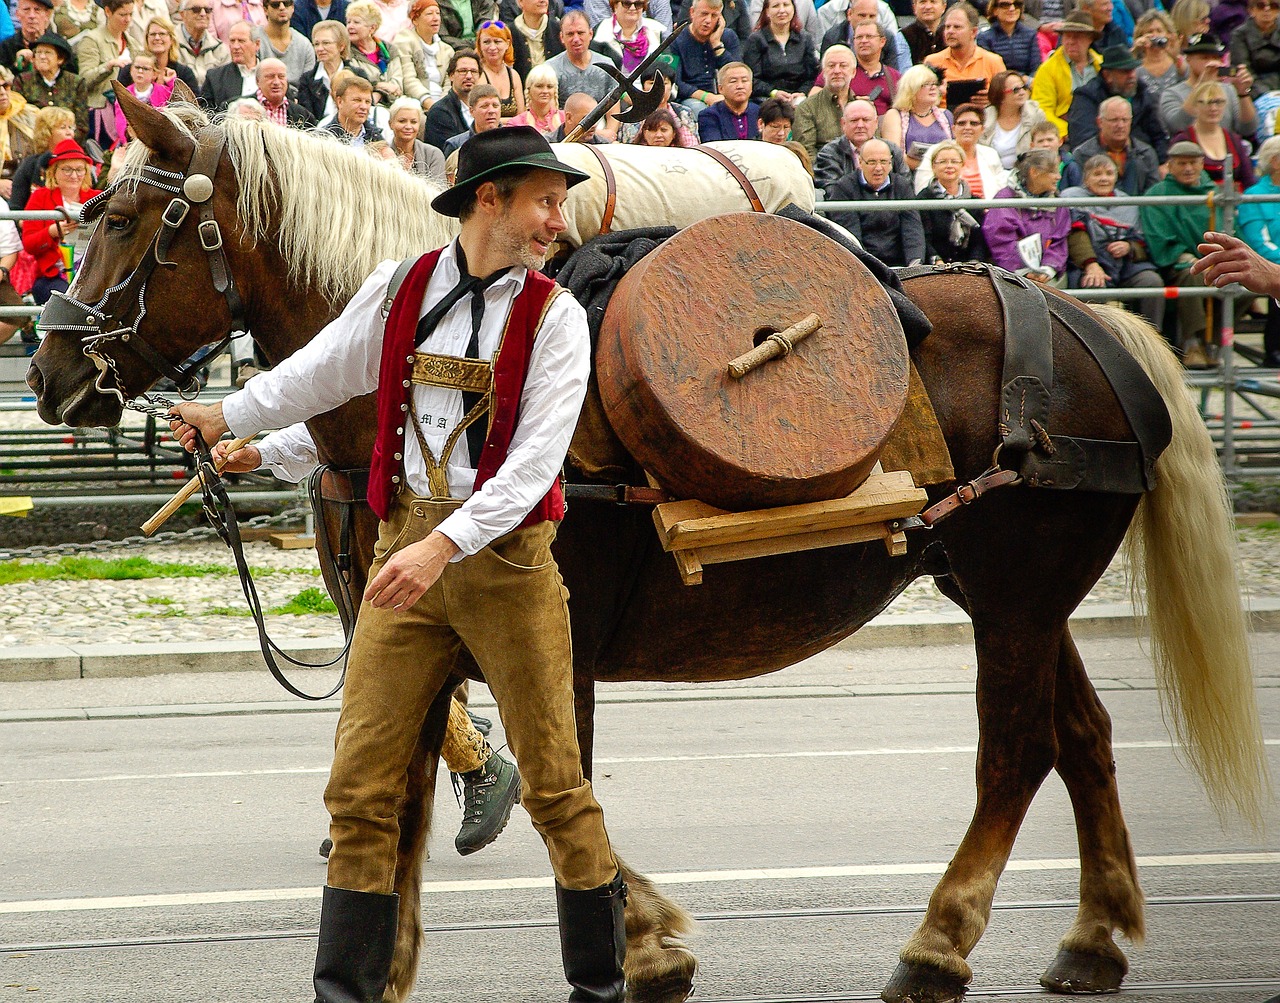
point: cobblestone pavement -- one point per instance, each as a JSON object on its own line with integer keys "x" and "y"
{"x": 211, "y": 607}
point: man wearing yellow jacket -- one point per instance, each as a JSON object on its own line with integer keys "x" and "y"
{"x": 1072, "y": 64}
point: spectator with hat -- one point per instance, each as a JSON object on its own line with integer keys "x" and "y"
{"x": 467, "y": 527}
{"x": 32, "y": 17}
{"x": 1204, "y": 64}
{"x": 67, "y": 186}
{"x": 1117, "y": 77}
{"x": 50, "y": 83}
{"x": 1071, "y": 65}
{"x": 1173, "y": 233}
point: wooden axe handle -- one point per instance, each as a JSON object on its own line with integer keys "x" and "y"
{"x": 191, "y": 487}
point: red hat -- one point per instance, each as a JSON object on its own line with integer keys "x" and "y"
{"x": 68, "y": 149}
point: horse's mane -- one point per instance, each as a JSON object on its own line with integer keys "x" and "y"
{"x": 333, "y": 211}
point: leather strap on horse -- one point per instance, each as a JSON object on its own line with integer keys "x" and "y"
{"x": 610, "y": 188}
{"x": 1027, "y": 445}
{"x": 329, "y": 488}
{"x": 748, "y": 188}
{"x": 968, "y": 493}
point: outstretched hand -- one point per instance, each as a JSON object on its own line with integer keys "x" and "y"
{"x": 185, "y": 419}
{"x": 1225, "y": 259}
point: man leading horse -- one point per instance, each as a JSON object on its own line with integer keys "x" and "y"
{"x": 473, "y": 338}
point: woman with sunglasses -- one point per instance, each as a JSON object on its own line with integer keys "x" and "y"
{"x": 1256, "y": 44}
{"x": 497, "y": 54}
{"x": 1218, "y": 142}
{"x": 982, "y": 171}
{"x": 1009, "y": 37}
{"x": 782, "y": 56}
{"x": 1010, "y": 117}
{"x": 628, "y": 34}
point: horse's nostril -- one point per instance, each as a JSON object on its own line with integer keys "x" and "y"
{"x": 35, "y": 378}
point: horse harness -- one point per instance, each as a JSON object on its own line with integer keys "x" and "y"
{"x": 192, "y": 188}
{"x": 1028, "y": 452}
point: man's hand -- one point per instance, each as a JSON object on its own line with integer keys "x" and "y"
{"x": 711, "y": 99}
{"x": 717, "y": 33}
{"x": 186, "y": 418}
{"x": 1227, "y": 259}
{"x": 981, "y": 99}
{"x": 1243, "y": 80}
{"x": 1094, "y": 277}
{"x": 408, "y": 573}
{"x": 1119, "y": 248}
{"x": 242, "y": 461}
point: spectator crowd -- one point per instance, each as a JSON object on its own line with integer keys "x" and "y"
{"x": 907, "y": 99}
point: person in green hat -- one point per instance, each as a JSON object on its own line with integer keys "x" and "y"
{"x": 481, "y": 364}
{"x": 1117, "y": 77}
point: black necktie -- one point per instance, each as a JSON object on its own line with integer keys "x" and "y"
{"x": 467, "y": 283}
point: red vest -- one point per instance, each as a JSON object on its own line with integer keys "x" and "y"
{"x": 510, "y": 369}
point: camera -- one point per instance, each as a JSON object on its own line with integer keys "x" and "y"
{"x": 1159, "y": 41}
{"x": 1226, "y": 71}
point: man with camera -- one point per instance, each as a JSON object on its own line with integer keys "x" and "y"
{"x": 1204, "y": 63}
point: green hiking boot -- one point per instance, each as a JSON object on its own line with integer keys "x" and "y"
{"x": 488, "y": 795}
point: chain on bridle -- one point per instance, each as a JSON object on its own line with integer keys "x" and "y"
{"x": 103, "y": 322}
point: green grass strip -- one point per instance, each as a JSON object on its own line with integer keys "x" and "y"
{"x": 123, "y": 569}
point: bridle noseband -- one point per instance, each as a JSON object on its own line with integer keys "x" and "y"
{"x": 102, "y": 322}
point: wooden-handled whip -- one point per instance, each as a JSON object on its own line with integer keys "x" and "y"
{"x": 191, "y": 487}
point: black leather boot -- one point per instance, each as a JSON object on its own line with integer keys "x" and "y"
{"x": 593, "y": 941}
{"x": 357, "y": 939}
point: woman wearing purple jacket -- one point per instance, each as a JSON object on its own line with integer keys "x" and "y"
{"x": 1030, "y": 242}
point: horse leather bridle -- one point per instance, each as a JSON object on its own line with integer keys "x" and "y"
{"x": 192, "y": 188}
{"x": 64, "y": 312}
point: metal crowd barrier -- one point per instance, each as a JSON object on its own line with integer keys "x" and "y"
{"x": 1223, "y": 201}
{"x": 52, "y": 215}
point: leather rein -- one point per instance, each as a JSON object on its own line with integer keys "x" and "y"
{"x": 98, "y": 325}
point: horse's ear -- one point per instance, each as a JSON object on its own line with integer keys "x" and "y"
{"x": 155, "y": 131}
{"x": 181, "y": 92}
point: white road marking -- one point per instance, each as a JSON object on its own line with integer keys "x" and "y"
{"x": 936, "y": 750}
{"x": 247, "y": 895}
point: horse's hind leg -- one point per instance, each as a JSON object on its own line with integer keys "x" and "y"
{"x": 1088, "y": 959}
{"x": 414, "y": 815}
{"x": 1017, "y": 657}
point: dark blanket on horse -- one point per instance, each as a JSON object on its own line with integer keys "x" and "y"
{"x": 593, "y": 271}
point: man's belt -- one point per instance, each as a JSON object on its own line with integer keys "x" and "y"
{"x": 452, "y": 373}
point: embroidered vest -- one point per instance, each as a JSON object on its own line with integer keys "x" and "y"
{"x": 510, "y": 369}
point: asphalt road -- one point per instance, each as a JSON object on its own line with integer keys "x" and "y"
{"x": 805, "y": 817}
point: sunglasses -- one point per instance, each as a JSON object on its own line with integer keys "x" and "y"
{"x": 633, "y": 4}
{"x": 278, "y": 4}
{"x": 492, "y": 24}
{"x": 1019, "y": 89}
{"x": 5, "y": 87}
{"x": 1008, "y": 6}
{"x": 1266, "y": 6}
{"x": 198, "y": 10}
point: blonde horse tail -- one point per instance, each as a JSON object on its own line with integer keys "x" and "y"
{"x": 1182, "y": 558}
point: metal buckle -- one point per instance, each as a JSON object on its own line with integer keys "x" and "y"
{"x": 175, "y": 212}
{"x": 210, "y": 235}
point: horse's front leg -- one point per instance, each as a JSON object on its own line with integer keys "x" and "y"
{"x": 414, "y": 815}
{"x": 1089, "y": 961}
{"x": 1017, "y": 661}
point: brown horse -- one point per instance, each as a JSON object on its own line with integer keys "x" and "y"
{"x": 1019, "y": 561}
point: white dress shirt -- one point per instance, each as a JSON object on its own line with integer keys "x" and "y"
{"x": 290, "y": 453}
{"x": 342, "y": 362}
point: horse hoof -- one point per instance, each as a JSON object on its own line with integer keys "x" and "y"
{"x": 912, "y": 983}
{"x": 1078, "y": 972}
{"x": 675, "y": 989}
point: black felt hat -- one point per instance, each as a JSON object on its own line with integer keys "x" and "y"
{"x": 54, "y": 41}
{"x": 1118, "y": 57}
{"x": 488, "y": 154}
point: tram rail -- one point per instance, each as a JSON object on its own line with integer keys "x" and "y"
{"x": 549, "y": 923}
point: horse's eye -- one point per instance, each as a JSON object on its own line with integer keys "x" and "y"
{"x": 115, "y": 221}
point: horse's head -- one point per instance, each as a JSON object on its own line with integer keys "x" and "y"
{"x": 155, "y": 284}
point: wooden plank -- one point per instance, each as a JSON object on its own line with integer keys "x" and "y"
{"x": 685, "y": 524}
{"x": 689, "y": 566}
{"x": 292, "y": 541}
{"x": 746, "y": 549}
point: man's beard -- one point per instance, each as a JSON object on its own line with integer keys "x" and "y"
{"x": 508, "y": 236}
